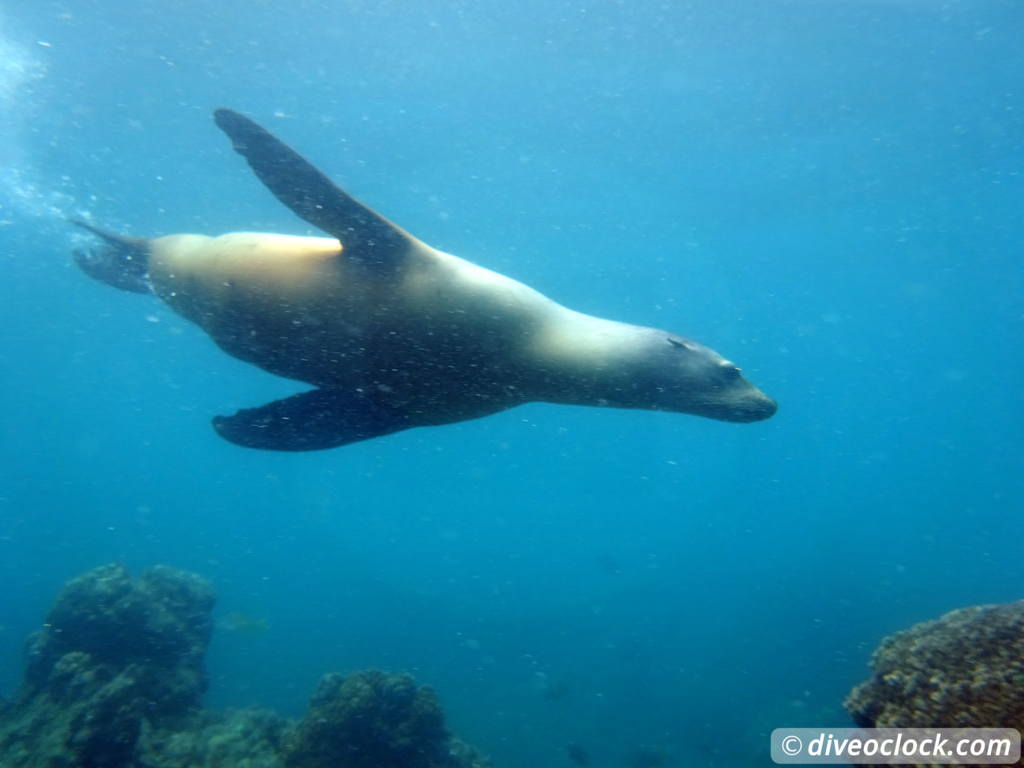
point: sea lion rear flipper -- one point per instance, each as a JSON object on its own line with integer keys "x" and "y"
{"x": 310, "y": 421}
{"x": 294, "y": 181}
{"x": 123, "y": 263}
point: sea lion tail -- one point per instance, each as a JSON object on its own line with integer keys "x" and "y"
{"x": 123, "y": 262}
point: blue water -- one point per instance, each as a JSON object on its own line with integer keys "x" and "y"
{"x": 828, "y": 193}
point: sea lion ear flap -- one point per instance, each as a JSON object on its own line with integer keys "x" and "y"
{"x": 364, "y": 234}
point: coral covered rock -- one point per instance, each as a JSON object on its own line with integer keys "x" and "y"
{"x": 156, "y": 627}
{"x": 247, "y": 738}
{"x": 113, "y": 656}
{"x": 965, "y": 669}
{"x": 374, "y": 720}
{"x": 115, "y": 676}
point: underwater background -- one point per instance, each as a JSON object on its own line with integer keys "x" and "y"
{"x": 831, "y": 194}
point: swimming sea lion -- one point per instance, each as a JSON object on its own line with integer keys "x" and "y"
{"x": 391, "y": 332}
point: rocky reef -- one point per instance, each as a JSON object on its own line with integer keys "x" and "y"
{"x": 965, "y": 669}
{"x": 115, "y": 678}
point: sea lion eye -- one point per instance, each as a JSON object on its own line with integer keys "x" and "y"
{"x": 731, "y": 371}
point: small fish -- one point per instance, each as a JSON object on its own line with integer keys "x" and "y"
{"x": 556, "y": 690}
{"x": 577, "y": 754}
{"x": 648, "y": 757}
{"x": 236, "y": 621}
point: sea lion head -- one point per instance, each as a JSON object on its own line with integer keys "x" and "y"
{"x": 672, "y": 373}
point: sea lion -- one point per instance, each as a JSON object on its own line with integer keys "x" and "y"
{"x": 391, "y": 332}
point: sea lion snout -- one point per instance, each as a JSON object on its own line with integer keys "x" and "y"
{"x": 738, "y": 401}
{"x": 755, "y": 406}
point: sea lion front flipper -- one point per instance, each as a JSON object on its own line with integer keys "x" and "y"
{"x": 297, "y": 183}
{"x": 310, "y": 421}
